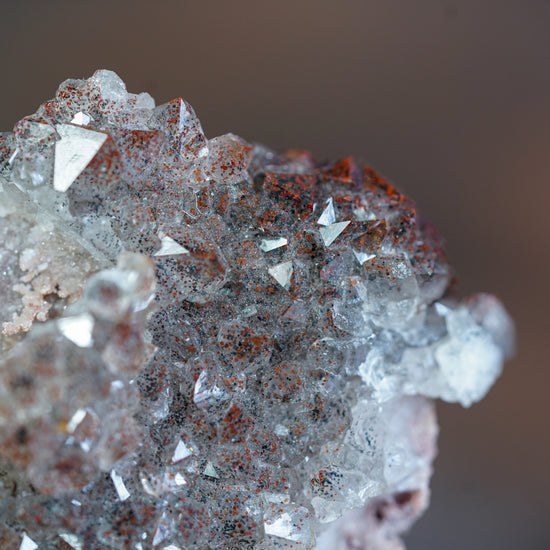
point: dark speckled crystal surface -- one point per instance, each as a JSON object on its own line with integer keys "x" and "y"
{"x": 206, "y": 344}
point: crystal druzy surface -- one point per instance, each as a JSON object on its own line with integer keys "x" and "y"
{"x": 207, "y": 345}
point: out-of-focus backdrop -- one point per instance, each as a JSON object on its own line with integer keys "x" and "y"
{"x": 449, "y": 99}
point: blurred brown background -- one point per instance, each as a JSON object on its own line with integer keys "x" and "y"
{"x": 449, "y": 99}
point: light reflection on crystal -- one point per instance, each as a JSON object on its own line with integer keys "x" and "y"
{"x": 442, "y": 309}
{"x": 328, "y": 217}
{"x": 179, "y": 479}
{"x": 74, "y": 150}
{"x": 363, "y": 257}
{"x": 182, "y": 451}
{"x": 78, "y": 329}
{"x": 282, "y": 430}
{"x": 267, "y": 245}
{"x": 122, "y": 491}
{"x": 116, "y": 385}
{"x": 289, "y": 522}
{"x": 227, "y": 412}
{"x": 75, "y": 420}
{"x": 331, "y": 232}
{"x": 163, "y": 530}
{"x": 206, "y": 393}
{"x": 282, "y": 273}
{"x": 170, "y": 247}
{"x": 27, "y": 543}
{"x": 210, "y": 471}
{"x": 248, "y": 311}
{"x": 81, "y": 119}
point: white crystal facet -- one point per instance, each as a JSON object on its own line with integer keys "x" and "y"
{"x": 179, "y": 479}
{"x": 363, "y": 257}
{"x": 122, "y": 491}
{"x": 330, "y": 233}
{"x": 169, "y": 247}
{"x": 73, "y": 151}
{"x": 290, "y": 523}
{"x": 182, "y": 451}
{"x": 81, "y": 119}
{"x": 282, "y": 273}
{"x": 328, "y": 217}
{"x": 210, "y": 471}
{"x": 110, "y": 85}
{"x": 75, "y": 420}
{"x": 78, "y": 329}
{"x": 27, "y": 543}
{"x": 271, "y": 244}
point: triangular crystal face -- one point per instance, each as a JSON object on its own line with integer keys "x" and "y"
{"x": 210, "y": 471}
{"x": 290, "y": 523}
{"x": 331, "y": 232}
{"x": 185, "y": 139}
{"x": 179, "y": 479}
{"x": 344, "y": 172}
{"x": 282, "y": 273}
{"x": 78, "y": 329}
{"x": 363, "y": 257}
{"x": 267, "y": 245}
{"x": 182, "y": 451}
{"x": 328, "y": 217}
{"x": 73, "y": 152}
{"x": 27, "y": 543}
{"x": 163, "y": 530}
{"x": 169, "y": 247}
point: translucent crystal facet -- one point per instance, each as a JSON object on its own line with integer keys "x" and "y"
{"x": 331, "y": 232}
{"x": 74, "y": 150}
{"x": 328, "y": 217}
{"x": 282, "y": 273}
{"x": 207, "y": 344}
{"x": 267, "y": 245}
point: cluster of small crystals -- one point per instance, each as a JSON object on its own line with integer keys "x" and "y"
{"x": 254, "y": 356}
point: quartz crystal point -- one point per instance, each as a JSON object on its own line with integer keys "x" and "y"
{"x": 209, "y": 345}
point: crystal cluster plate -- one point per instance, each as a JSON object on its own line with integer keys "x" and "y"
{"x": 208, "y": 345}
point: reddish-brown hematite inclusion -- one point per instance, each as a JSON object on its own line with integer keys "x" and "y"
{"x": 209, "y": 345}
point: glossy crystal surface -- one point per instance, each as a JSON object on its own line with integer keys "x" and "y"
{"x": 206, "y": 344}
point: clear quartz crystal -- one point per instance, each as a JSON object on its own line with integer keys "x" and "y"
{"x": 206, "y": 344}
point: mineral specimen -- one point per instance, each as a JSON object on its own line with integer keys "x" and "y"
{"x": 209, "y": 345}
